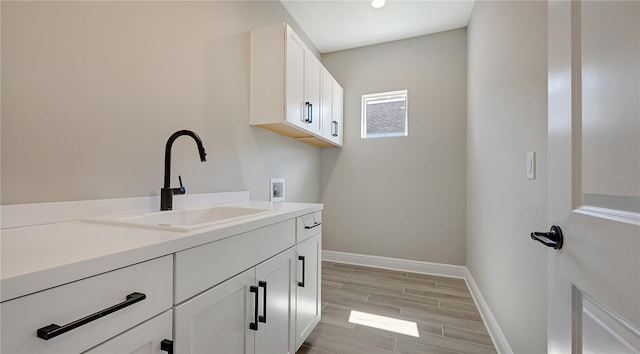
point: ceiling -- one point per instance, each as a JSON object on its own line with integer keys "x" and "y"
{"x": 346, "y": 24}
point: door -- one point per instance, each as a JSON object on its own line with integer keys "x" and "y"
{"x": 327, "y": 104}
{"x": 331, "y": 108}
{"x": 276, "y": 283}
{"x": 594, "y": 176}
{"x": 218, "y": 320}
{"x": 308, "y": 304}
{"x": 336, "y": 123}
{"x": 312, "y": 84}
{"x": 294, "y": 71}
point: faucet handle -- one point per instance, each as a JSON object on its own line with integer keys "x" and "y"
{"x": 181, "y": 190}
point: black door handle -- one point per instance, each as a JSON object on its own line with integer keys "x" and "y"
{"x": 553, "y": 238}
{"x": 254, "y": 325}
{"x": 335, "y": 124}
{"x": 301, "y": 283}
{"x": 263, "y": 318}
{"x": 54, "y": 330}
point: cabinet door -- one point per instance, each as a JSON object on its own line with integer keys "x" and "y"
{"x": 144, "y": 338}
{"x": 331, "y": 108}
{"x": 336, "y": 132}
{"x": 308, "y": 289}
{"x": 276, "y": 283}
{"x": 294, "y": 72}
{"x": 217, "y": 321}
{"x": 327, "y": 104}
{"x": 313, "y": 83}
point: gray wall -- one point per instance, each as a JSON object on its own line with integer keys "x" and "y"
{"x": 401, "y": 197}
{"x": 507, "y": 117}
{"x": 92, "y": 90}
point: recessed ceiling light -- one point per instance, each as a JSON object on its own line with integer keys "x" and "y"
{"x": 376, "y": 4}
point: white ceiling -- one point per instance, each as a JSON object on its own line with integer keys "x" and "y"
{"x": 345, "y": 24}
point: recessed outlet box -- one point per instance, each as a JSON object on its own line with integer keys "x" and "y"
{"x": 277, "y": 189}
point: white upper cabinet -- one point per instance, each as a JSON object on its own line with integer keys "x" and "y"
{"x": 295, "y": 85}
{"x": 336, "y": 124}
{"x": 312, "y": 90}
{"x": 331, "y": 109}
{"x": 287, "y": 86}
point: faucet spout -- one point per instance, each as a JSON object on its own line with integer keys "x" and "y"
{"x": 167, "y": 193}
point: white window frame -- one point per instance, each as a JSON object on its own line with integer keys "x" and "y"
{"x": 383, "y": 97}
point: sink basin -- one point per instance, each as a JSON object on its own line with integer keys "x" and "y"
{"x": 184, "y": 220}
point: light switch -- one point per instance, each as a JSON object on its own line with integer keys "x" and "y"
{"x": 531, "y": 165}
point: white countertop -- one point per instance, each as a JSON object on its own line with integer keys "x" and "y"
{"x": 35, "y": 258}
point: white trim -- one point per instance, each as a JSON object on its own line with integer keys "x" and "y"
{"x": 612, "y": 323}
{"x": 495, "y": 332}
{"x": 382, "y": 97}
{"x": 19, "y": 215}
{"x": 405, "y": 265}
{"x": 626, "y": 217}
{"x": 454, "y": 271}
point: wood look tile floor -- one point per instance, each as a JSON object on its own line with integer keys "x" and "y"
{"x": 442, "y": 310}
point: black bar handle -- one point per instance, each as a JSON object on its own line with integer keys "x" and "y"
{"x": 301, "y": 283}
{"x": 263, "y": 318}
{"x": 335, "y": 124}
{"x": 316, "y": 224}
{"x": 306, "y": 119}
{"x": 166, "y": 346}
{"x": 309, "y": 112}
{"x": 254, "y": 325}
{"x": 54, "y": 330}
{"x": 553, "y": 238}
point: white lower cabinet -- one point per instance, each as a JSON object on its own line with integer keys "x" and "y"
{"x": 254, "y": 292}
{"x": 145, "y": 338}
{"x": 217, "y": 320}
{"x": 278, "y": 276}
{"x": 249, "y": 313}
{"x": 75, "y": 317}
{"x": 308, "y": 303}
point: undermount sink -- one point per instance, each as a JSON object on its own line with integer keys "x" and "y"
{"x": 184, "y": 220}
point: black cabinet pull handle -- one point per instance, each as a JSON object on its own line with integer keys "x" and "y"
{"x": 166, "y": 346}
{"x": 301, "y": 283}
{"x": 314, "y": 225}
{"x": 309, "y": 112}
{"x": 54, "y": 330}
{"x": 335, "y": 124}
{"x": 306, "y": 119}
{"x": 553, "y": 238}
{"x": 254, "y": 325}
{"x": 263, "y": 318}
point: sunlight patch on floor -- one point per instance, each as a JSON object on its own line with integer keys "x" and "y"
{"x": 385, "y": 323}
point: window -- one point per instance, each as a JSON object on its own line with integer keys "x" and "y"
{"x": 384, "y": 114}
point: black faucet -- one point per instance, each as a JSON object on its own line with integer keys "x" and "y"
{"x": 167, "y": 193}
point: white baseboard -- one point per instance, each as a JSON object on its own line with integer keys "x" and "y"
{"x": 454, "y": 271}
{"x": 405, "y": 265}
{"x": 497, "y": 336}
